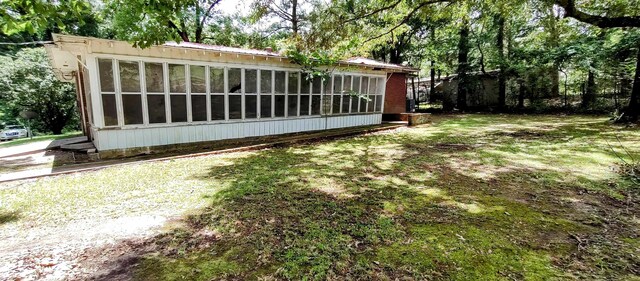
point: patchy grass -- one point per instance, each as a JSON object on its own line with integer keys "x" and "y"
{"x": 15, "y": 142}
{"x": 474, "y": 197}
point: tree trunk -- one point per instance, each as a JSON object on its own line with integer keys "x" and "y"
{"x": 463, "y": 66}
{"x": 432, "y": 88}
{"x": 633, "y": 111}
{"x": 294, "y": 17}
{"x": 502, "y": 80}
{"x": 590, "y": 93}
{"x": 521, "y": 95}
{"x": 554, "y": 39}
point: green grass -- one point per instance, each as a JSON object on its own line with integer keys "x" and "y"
{"x": 39, "y": 138}
{"x": 474, "y": 197}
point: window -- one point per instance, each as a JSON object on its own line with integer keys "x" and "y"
{"x": 157, "y": 111}
{"x": 106, "y": 75}
{"x": 380, "y": 95}
{"x": 109, "y": 109}
{"x": 337, "y": 95}
{"x": 235, "y": 93}
{"x": 235, "y": 81}
{"x": 363, "y": 94}
{"x": 154, "y": 78}
{"x": 130, "y": 89}
{"x": 316, "y": 95}
{"x": 216, "y": 85}
{"x": 266, "y": 77}
{"x": 372, "y": 94}
{"x": 293, "y": 90}
{"x": 279, "y": 98}
{"x": 355, "y": 89}
{"x": 326, "y": 99}
{"x": 346, "y": 90}
{"x": 235, "y": 107}
{"x": 177, "y": 93}
{"x": 198, "y": 79}
{"x": 132, "y": 109}
{"x": 108, "y": 95}
{"x": 305, "y": 90}
{"x": 198, "y": 87}
{"x": 251, "y": 91}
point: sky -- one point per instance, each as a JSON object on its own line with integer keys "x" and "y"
{"x": 229, "y": 7}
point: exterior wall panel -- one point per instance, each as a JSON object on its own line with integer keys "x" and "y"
{"x": 111, "y": 139}
{"x": 396, "y": 92}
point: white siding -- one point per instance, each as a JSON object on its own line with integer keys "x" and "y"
{"x": 154, "y": 136}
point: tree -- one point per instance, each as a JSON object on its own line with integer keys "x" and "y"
{"x": 611, "y": 21}
{"x": 28, "y": 83}
{"x": 288, "y": 11}
{"x": 165, "y": 20}
{"x": 31, "y": 16}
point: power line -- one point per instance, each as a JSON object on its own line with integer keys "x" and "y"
{"x": 26, "y": 43}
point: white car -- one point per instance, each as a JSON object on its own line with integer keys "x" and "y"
{"x": 13, "y": 132}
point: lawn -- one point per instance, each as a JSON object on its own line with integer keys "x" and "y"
{"x": 469, "y": 197}
{"x": 39, "y": 138}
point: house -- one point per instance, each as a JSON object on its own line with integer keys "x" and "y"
{"x": 136, "y": 100}
{"x": 483, "y": 93}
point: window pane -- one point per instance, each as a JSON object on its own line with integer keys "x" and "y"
{"x": 216, "y": 79}
{"x": 178, "y": 108}
{"x": 346, "y": 87}
{"x": 265, "y": 106}
{"x": 235, "y": 80}
{"x": 345, "y": 103}
{"x": 336, "y": 103}
{"x": 378, "y": 103}
{"x": 217, "y": 107}
{"x": 315, "y": 105}
{"x": 371, "y": 103}
{"x": 129, "y": 77}
{"x": 317, "y": 85}
{"x": 363, "y": 103}
{"x": 304, "y": 105}
{"x": 354, "y": 104}
{"x": 250, "y": 107}
{"x": 365, "y": 85}
{"x": 235, "y": 107}
{"x": 294, "y": 77}
{"x": 198, "y": 80}
{"x": 279, "y": 105}
{"x": 199, "y": 108}
{"x": 280, "y": 82}
{"x": 337, "y": 84}
{"x": 109, "y": 110}
{"x": 355, "y": 86}
{"x": 157, "y": 113}
{"x": 293, "y": 106}
{"x": 177, "y": 79}
{"x": 372, "y": 85}
{"x": 106, "y": 75}
{"x": 265, "y": 81}
{"x": 305, "y": 83}
{"x": 132, "y": 109}
{"x": 251, "y": 80}
{"x": 154, "y": 77}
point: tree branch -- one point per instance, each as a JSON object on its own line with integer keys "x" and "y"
{"x": 570, "y": 9}
{"x": 407, "y": 17}
{"x": 392, "y": 5}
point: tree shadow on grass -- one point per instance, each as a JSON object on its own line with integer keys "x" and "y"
{"x": 9, "y": 217}
{"x": 385, "y": 207}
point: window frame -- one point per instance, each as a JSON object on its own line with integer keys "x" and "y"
{"x": 99, "y": 107}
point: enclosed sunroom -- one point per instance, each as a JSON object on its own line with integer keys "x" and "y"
{"x": 141, "y": 99}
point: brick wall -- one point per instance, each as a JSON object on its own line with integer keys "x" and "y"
{"x": 396, "y": 91}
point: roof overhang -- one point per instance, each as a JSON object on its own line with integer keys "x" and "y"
{"x": 67, "y": 46}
